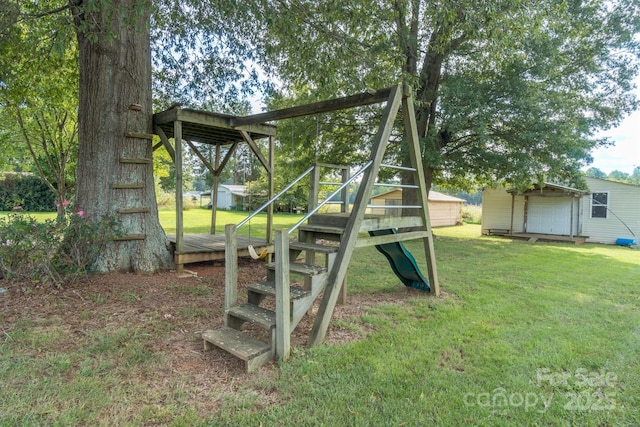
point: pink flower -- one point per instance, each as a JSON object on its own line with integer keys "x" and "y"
{"x": 65, "y": 203}
{"x": 17, "y": 208}
{"x": 80, "y": 213}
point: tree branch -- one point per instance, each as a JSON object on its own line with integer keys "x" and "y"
{"x": 48, "y": 12}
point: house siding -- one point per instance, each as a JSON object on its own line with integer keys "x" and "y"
{"x": 496, "y": 211}
{"x": 442, "y": 213}
{"x": 624, "y": 208}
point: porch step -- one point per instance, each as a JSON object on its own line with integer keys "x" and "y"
{"x": 255, "y": 353}
{"x": 298, "y": 268}
{"x": 254, "y": 314}
{"x": 269, "y": 288}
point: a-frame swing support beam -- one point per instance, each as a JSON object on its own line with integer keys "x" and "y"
{"x": 399, "y": 95}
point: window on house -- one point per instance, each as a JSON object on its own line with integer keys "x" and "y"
{"x": 599, "y": 205}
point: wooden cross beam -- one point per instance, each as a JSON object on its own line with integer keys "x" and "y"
{"x": 366, "y": 98}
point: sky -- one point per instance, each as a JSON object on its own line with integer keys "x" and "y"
{"x": 625, "y": 155}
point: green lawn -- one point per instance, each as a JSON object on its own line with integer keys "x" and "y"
{"x": 198, "y": 221}
{"x": 524, "y": 334}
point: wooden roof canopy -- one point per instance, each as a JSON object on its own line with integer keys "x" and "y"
{"x": 224, "y": 129}
{"x": 207, "y": 127}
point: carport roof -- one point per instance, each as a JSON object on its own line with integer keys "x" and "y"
{"x": 550, "y": 189}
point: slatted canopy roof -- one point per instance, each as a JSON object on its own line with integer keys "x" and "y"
{"x": 207, "y": 127}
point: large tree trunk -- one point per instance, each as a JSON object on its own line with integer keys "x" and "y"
{"x": 114, "y": 100}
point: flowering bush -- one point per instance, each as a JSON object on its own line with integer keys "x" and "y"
{"x": 26, "y": 246}
{"x": 50, "y": 250}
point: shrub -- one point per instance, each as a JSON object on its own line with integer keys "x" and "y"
{"x": 472, "y": 214}
{"x": 48, "y": 251}
{"x": 26, "y": 247}
{"x": 28, "y": 191}
{"x": 82, "y": 242}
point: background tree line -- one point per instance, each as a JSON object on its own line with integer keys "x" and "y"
{"x": 616, "y": 175}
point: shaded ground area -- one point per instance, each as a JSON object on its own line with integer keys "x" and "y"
{"x": 168, "y": 313}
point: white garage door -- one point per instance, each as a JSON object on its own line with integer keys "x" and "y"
{"x": 549, "y": 215}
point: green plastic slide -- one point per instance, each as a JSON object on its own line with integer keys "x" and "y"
{"x": 402, "y": 262}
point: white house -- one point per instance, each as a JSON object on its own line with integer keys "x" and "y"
{"x": 229, "y": 196}
{"x": 604, "y": 213}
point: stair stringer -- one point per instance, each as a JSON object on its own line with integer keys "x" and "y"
{"x": 338, "y": 273}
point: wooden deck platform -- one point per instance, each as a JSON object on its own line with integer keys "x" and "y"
{"x": 534, "y": 237}
{"x": 210, "y": 247}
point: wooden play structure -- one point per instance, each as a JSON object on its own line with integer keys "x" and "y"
{"x": 217, "y": 130}
{"x": 317, "y": 250}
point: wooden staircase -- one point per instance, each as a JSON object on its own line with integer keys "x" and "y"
{"x": 318, "y": 262}
{"x": 312, "y": 274}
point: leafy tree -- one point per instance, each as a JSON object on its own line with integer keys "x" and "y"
{"x": 595, "y": 173}
{"x": 195, "y": 59}
{"x": 505, "y": 90}
{"x": 619, "y": 176}
{"x": 37, "y": 103}
{"x": 635, "y": 176}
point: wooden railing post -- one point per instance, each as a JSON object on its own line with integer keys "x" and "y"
{"x": 314, "y": 188}
{"x": 283, "y": 298}
{"x": 230, "y": 268}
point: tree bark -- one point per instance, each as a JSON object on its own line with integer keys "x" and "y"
{"x": 115, "y": 99}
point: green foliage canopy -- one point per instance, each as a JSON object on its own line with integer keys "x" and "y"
{"x": 505, "y": 90}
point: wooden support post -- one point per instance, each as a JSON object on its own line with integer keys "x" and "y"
{"x": 271, "y": 191}
{"x": 416, "y": 162}
{"x": 339, "y": 270}
{"x": 177, "y": 132}
{"x": 230, "y": 268}
{"x": 283, "y": 298}
{"x": 314, "y": 187}
{"x": 345, "y": 191}
{"x": 342, "y": 298}
{"x": 513, "y": 205}
{"x": 214, "y": 192}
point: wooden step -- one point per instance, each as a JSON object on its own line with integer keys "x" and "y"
{"x": 298, "y": 268}
{"x": 323, "y": 249}
{"x": 140, "y": 209}
{"x": 254, "y": 314}
{"x": 269, "y": 288}
{"x": 136, "y": 160}
{"x": 139, "y": 135}
{"x": 321, "y": 229}
{"x": 255, "y": 353}
{"x": 128, "y": 237}
{"x": 127, "y": 186}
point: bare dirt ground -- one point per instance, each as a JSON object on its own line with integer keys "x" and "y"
{"x": 174, "y": 310}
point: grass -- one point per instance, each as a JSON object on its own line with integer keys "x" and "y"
{"x": 524, "y": 334}
{"x": 198, "y": 221}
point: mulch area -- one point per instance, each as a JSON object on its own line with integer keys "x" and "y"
{"x": 173, "y": 309}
